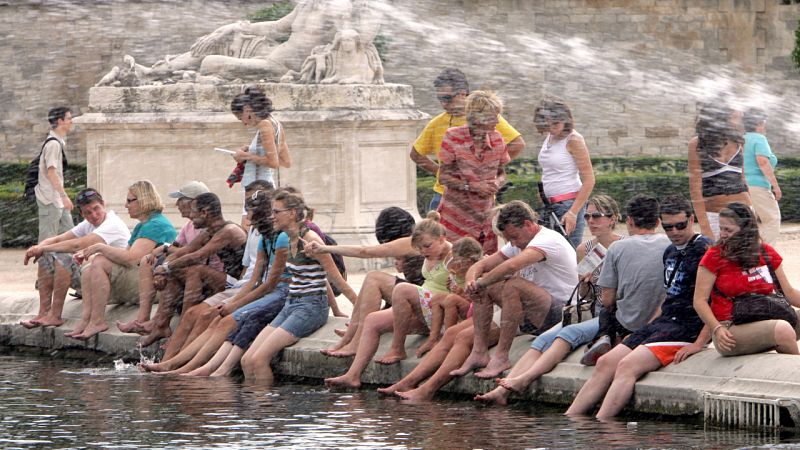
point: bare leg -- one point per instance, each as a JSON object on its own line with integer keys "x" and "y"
{"x": 60, "y": 287}
{"x": 482, "y": 317}
{"x": 185, "y": 326}
{"x": 597, "y": 385}
{"x": 230, "y": 363}
{"x": 407, "y": 316}
{"x": 520, "y": 297}
{"x": 455, "y": 358}
{"x": 257, "y": 366}
{"x": 212, "y": 364}
{"x": 432, "y": 360}
{"x": 86, "y": 313}
{"x": 197, "y": 278}
{"x": 99, "y": 273}
{"x": 170, "y": 296}
{"x": 500, "y": 394}
{"x": 632, "y": 367}
{"x": 377, "y": 286}
{"x": 208, "y": 348}
{"x": 547, "y": 362}
{"x": 375, "y": 324}
{"x": 333, "y": 304}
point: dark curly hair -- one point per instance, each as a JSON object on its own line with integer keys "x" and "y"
{"x": 744, "y": 246}
{"x": 258, "y": 102}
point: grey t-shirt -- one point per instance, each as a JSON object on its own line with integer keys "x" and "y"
{"x": 635, "y": 268}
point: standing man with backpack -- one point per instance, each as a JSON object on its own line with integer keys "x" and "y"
{"x": 53, "y": 203}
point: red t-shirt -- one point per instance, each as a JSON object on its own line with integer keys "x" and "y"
{"x": 732, "y": 280}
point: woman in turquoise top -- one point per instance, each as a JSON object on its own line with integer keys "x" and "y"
{"x": 112, "y": 274}
{"x": 759, "y": 165}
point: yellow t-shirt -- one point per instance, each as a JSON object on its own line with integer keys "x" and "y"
{"x": 430, "y": 140}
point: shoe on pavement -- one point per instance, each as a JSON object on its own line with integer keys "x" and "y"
{"x": 598, "y": 349}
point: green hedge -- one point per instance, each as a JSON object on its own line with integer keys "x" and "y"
{"x": 18, "y": 222}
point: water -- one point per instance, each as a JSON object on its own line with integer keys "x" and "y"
{"x": 64, "y": 404}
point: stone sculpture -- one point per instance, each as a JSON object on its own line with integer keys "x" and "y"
{"x": 326, "y": 41}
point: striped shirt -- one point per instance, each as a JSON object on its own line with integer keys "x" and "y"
{"x": 308, "y": 276}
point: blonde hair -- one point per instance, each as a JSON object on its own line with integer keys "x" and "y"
{"x": 146, "y": 195}
{"x": 483, "y": 102}
{"x": 606, "y": 205}
{"x": 428, "y": 227}
{"x": 468, "y": 248}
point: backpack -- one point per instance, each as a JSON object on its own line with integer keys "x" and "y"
{"x": 32, "y": 174}
{"x": 338, "y": 260}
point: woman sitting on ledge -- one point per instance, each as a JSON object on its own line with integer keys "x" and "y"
{"x": 112, "y": 274}
{"x": 740, "y": 264}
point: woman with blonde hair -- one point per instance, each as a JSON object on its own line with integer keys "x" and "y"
{"x": 472, "y": 159}
{"x": 112, "y": 274}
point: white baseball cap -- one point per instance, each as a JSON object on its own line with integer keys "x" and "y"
{"x": 191, "y": 190}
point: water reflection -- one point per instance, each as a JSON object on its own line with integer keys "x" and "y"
{"x": 58, "y": 404}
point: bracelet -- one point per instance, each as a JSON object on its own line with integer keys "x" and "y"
{"x": 570, "y": 212}
{"x": 714, "y": 331}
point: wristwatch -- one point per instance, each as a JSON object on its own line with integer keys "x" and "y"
{"x": 466, "y": 186}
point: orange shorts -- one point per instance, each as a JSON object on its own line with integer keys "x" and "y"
{"x": 665, "y": 351}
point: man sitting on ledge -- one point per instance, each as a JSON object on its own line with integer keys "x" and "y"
{"x": 222, "y": 238}
{"x": 55, "y": 255}
{"x": 530, "y": 278}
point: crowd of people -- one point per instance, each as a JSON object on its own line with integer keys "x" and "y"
{"x": 641, "y": 300}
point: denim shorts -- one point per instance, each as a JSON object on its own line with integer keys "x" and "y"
{"x": 281, "y": 291}
{"x": 560, "y": 209}
{"x": 302, "y": 316}
{"x": 257, "y": 319}
{"x": 576, "y": 334}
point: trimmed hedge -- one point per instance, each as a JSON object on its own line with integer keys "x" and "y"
{"x": 18, "y": 219}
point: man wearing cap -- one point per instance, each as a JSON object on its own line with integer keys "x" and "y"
{"x": 54, "y": 255}
{"x": 147, "y": 285}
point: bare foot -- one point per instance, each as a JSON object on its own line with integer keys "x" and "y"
{"x": 51, "y": 322}
{"x": 474, "y": 361}
{"x": 339, "y": 331}
{"x": 391, "y": 357}
{"x": 77, "y": 331}
{"x": 393, "y": 389}
{"x": 91, "y": 331}
{"x": 153, "y": 367}
{"x": 341, "y": 314}
{"x": 199, "y": 372}
{"x": 155, "y": 336}
{"x": 498, "y": 396}
{"x": 343, "y": 381}
{"x": 516, "y": 384}
{"x": 29, "y": 324}
{"x": 134, "y": 326}
{"x": 344, "y": 352}
{"x": 425, "y": 348}
{"x": 415, "y": 395}
{"x": 493, "y": 369}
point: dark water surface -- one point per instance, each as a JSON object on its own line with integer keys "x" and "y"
{"x": 63, "y": 404}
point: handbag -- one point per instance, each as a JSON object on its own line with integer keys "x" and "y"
{"x": 752, "y": 307}
{"x": 580, "y": 307}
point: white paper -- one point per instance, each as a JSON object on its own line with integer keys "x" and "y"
{"x": 225, "y": 150}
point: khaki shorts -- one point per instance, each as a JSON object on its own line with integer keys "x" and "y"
{"x": 221, "y": 298}
{"x": 769, "y": 213}
{"x": 52, "y": 220}
{"x": 753, "y": 337}
{"x": 49, "y": 260}
{"x": 124, "y": 284}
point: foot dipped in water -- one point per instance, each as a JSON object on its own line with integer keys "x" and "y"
{"x": 416, "y": 395}
{"x": 474, "y": 361}
{"x": 498, "y": 396}
{"x": 342, "y": 382}
{"x": 494, "y": 368}
{"x": 391, "y": 357}
{"x": 395, "y": 388}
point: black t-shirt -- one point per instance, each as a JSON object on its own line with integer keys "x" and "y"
{"x": 680, "y": 274}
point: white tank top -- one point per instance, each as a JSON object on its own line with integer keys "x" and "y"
{"x": 559, "y": 171}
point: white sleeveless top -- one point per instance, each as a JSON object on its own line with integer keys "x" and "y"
{"x": 559, "y": 171}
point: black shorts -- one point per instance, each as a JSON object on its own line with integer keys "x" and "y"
{"x": 554, "y": 316}
{"x": 663, "y": 329}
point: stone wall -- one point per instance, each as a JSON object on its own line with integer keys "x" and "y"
{"x": 632, "y": 70}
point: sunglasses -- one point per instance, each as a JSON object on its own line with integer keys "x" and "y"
{"x": 86, "y": 195}
{"x": 679, "y": 225}
{"x": 128, "y": 201}
{"x": 595, "y": 215}
{"x": 445, "y": 98}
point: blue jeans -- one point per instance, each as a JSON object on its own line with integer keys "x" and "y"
{"x": 280, "y": 292}
{"x": 302, "y": 316}
{"x": 560, "y": 209}
{"x": 576, "y": 334}
{"x": 435, "y": 200}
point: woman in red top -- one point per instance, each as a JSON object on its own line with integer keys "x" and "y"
{"x": 472, "y": 159}
{"x": 736, "y": 266}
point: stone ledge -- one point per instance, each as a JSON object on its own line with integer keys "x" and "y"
{"x": 674, "y": 390}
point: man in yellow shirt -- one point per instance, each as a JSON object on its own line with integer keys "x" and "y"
{"x": 452, "y": 90}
